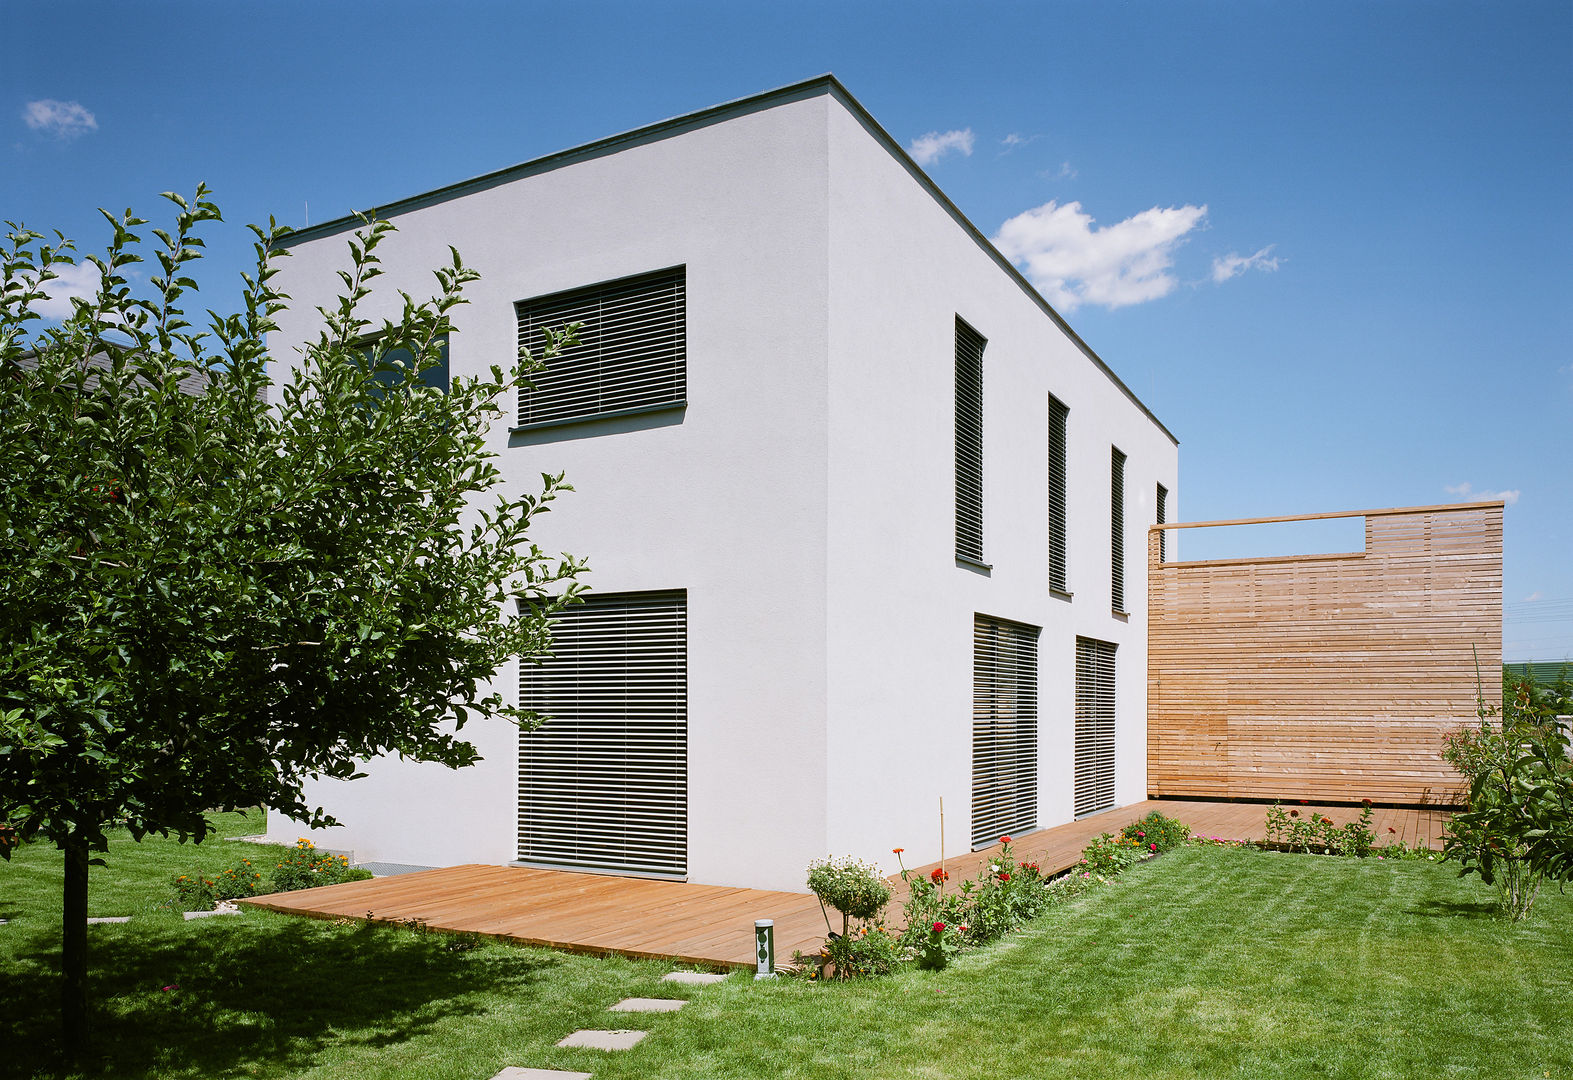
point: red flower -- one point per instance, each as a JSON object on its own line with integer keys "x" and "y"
{"x": 897, "y": 850}
{"x": 1365, "y": 802}
{"x": 1004, "y": 876}
{"x": 1391, "y": 829}
{"x": 1294, "y": 813}
{"x": 1327, "y": 821}
{"x": 1004, "y": 839}
{"x": 1153, "y": 846}
{"x": 939, "y": 928}
{"x": 938, "y": 875}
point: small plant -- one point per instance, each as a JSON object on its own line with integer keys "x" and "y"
{"x": 851, "y": 887}
{"x": 198, "y": 892}
{"x": 935, "y": 951}
{"x": 304, "y": 867}
{"x": 1156, "y": 832}
{"x": 1109, "y": 855}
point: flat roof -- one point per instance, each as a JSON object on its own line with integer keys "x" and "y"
{"x": 820, "y": 85}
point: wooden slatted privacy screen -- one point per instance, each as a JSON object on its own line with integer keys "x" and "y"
{"x": 603, "y": 784}
{"x": 631, "y": 355}
{"x": 1324, "y": 677}
{"x": 1004, "y": 729}
{"x": 1094, "y": 765}
{"x": 1117, "y": 529}
{"x": 1058, "y": 417}
{"x": 969, "y": 442}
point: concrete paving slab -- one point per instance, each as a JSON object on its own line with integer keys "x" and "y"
{"x": 648, "y": 1005}
{"x": 693, "y": 978}
{"x": 108, "y": 919}
{"x": 514, "y": 1072}
{"x": 604, "y": 1040}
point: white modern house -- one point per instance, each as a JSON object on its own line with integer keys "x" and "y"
{"x": 866, "y": 519}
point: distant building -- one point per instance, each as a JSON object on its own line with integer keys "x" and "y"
{"x": 866, "y": 518}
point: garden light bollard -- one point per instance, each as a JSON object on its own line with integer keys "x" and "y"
{"x": 765, "y": 948}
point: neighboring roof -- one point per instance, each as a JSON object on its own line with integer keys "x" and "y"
{"x": 665, "y": 129}
{"x": 1544, "y": 672}
{"x": 194, "y": 383}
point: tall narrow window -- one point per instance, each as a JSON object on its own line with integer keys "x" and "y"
{"x": 1163, "y": 515}
{"x": 1094, "y": 726}
{"x": 1004, "y": 728}
{"x": 631, "y": 353}
{"x": 1058, "y": 414}
{"x": 603, "y": 783}
{"x": 1117, "y": 529}
{"x": 969, "y": 442}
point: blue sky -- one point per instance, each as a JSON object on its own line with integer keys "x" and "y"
{"x": 1328, "y": 244}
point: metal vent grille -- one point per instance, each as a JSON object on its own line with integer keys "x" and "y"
{"x": 1004, "y": 729}
{"x": 1117, "y": 530}
{"x": 632, "y": 351}
{"x": 603, "y": 783}
{"x": 969, "y": 442}
{"x": 1162, "y": 503}
{"x": 1058, "y": 415}
{"x": 1094, "y": 726}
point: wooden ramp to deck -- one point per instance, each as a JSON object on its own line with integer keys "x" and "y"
{"x": 713, "y": 925}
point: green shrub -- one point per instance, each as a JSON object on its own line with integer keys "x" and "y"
{"x": 304, "y": 867}
{"x": 198, "y": 892}
{"x": 851, "y": 887}
{"x": 1109, "y": 855}
{"x": 1157, "y": 833}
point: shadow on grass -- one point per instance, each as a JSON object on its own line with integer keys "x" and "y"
{"x": 1443, "y": 909}
{"x": 262, "y": 996}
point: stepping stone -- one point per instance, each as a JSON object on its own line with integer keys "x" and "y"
{"x": 514, "y": 1072}
{"x": 604, "y": 1040}
{"x": 109, "y": 919}
{"x": 693, "y": 978}
{"x": 648, "y": 1005}
{"x": 206, "y": 914}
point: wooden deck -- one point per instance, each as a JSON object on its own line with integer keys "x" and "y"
{"x": 711, "y": 925}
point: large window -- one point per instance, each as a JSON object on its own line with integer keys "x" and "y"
{"x": 1004, "y": 728}
{"x": 1094, "y": 726}
{"x": 969, "y": 443}
{"x": 631, "y": 354}
{"x": 603, "y": 783}
{"x": 1117, "y": 530}
{"x": 1058, "y": 416}
{"x": 389, "y": 366}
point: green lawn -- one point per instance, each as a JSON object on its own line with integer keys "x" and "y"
{"x": 1203, "y": 963}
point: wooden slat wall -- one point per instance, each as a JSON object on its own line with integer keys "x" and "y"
{"x": 1325, "y": 677}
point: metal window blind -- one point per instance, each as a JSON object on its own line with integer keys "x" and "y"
{"x": 603, "y": 783}
{"x": 1117, "y": 530}
{"x": 1004, "y": 729}
{"x": 632, "y": 349}
{"x": 1094, "y": 726}
{"x": 1163, "y": 514}
{"x": 969, "y": 442}
{"x": 1058, "y": 415}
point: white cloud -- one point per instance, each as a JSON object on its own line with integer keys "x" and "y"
{"x": 80, "y": 280}
{"x": 927, "y": 149}
{"x": 1235, "y": 264}
{"x": 1466, "y": 493}
{"x": 1014, "y": 141}
{"x": 1073, "y": 263}
{"x": 1532, "y": 597}
{"x": 62, "y": 119}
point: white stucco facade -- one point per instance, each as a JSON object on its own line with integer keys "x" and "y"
{"x": 804, "y": 497}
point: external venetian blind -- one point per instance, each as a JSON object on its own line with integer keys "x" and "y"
{"x": 1094, "y": 726}
{"x": 969, "y": 442}
{"x": 1058, "y": 417}
{"x": 603, "y": 783}
{"x": 1162, "y": 503}
{"x": 631, "y": 355}
{"x": 1004, "y": 729}
{"x": 1117, "y": 530}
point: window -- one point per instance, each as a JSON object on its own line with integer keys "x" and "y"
{"x": 1163, "y": 514}
{"x": 390, "y": 365}
{"x": 1058, "y": 414}
{"x": 1004, "y": 729}
{"x": 969, "y": 443}
{"x": 1117, "y": 530}
{"x": 603, "y": 783}
{"x": 1094, "y": 726}
{"x": 631, "y": 354}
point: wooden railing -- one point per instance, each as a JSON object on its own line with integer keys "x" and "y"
{"x": 1325, "y": 677}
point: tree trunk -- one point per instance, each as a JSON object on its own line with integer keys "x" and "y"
{"x": 73, "y": 951}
